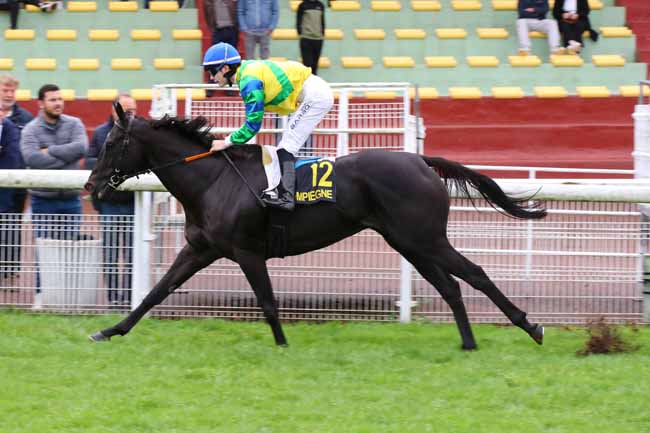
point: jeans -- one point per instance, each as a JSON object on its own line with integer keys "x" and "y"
{"x": 117, "y": 236}
{"x": 55, "y": 219}
{"x": 251, "y": 40}
{"x": 547, "y": 26}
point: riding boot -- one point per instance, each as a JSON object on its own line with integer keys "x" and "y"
{"x": 285, "y": 198}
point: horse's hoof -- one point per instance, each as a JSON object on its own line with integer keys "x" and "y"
{"x": 469, "y": 347}
{"x": 98, "y": 336}
{"x": 537, "y": 334}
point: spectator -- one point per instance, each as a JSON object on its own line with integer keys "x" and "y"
{"x": 310, "y": 24}
{"x": 257, "y": 20}
{"x": 13, "y": 200}
{"x": 116, "y": 217}
{"x": 573, "y": 19}
{"x": 532, "y": 17}
{"x": 221, "y": 17}
{"x": 54, "y": 141}
{"x": 13, "y": 6}
{"x": 10, "y": 215}
{"x": 8, "y": 105}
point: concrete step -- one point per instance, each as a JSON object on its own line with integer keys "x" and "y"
{"x": 569, "y": 132}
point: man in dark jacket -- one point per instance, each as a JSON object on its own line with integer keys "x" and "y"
{"x": 8, "y": 105}
{"x": 532, "y": 17}
{"x": 10, "y": 217}
{"x": 573, "y": 21}
{"x": 310, "y": 24}
{"x": 116, "y": 217}
{"x": 13, "y": 199}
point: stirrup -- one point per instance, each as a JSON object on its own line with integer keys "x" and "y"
{"x": 282, "y": 201}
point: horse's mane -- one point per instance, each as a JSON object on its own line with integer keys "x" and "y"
{"x": 194, "y": 129}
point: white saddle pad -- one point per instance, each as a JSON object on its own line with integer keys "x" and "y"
{"x": 271, "y": 166}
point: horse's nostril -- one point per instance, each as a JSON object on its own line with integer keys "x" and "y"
{"x": 89, "y": 187}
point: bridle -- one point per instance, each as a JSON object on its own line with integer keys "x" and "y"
{"x": 117, "y": 178}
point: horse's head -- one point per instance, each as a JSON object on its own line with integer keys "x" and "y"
{"x": 121, "y": 157}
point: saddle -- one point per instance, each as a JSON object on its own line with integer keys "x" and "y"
{"x": 315, "y": 180}
{"x": 314, "y": 183}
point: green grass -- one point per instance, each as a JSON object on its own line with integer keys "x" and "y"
{"x": 217, "y": 376}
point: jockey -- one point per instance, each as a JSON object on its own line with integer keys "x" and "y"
{"x": 286, "y": 88}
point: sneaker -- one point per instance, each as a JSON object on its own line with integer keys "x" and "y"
{"x": 558, "y": 51}
{"x": 523, "y": 53}
{"x": 47, "y": 6}
{"x": 574, "y": 47}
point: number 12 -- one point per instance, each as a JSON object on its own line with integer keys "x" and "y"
{"x": 323, "y": 181}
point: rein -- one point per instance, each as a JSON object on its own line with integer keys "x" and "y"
{"x": 117, "y": 179}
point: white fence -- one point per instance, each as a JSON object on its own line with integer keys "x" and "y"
{"x": 584, "y": 260}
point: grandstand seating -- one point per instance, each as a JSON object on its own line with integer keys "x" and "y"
{"x": 437, "y": 44}
{"x": 458, "y": 44}
{"x": 97, "y": 47}
{"x": 465, "y": 49}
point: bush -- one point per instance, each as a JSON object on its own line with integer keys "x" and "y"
{"x": 606, "y": 339}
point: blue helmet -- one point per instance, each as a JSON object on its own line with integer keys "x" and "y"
{"x": 219, "y": 55}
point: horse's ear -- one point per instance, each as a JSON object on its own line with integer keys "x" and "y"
{"x": 120, "y": 113}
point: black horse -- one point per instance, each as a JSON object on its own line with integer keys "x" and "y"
{"x": 400, "y": 195}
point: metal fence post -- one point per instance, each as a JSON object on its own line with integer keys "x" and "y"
{"x": 142, "y": 236}
{"x": 405, "y": 290}
{"x": 342, "y": 141}
{"x": 406, "y": 269}
{"x": 641, "y": 155}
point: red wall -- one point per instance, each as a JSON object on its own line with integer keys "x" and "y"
{"x": 567, "y": 132}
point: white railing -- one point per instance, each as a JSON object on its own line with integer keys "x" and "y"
{"x": 497, "y": 233}
{"x": 392, "y": 120}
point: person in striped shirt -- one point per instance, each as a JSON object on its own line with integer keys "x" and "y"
{"x": 286, "y": 88}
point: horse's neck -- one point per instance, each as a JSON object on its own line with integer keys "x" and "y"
{"x": 187, "y": 181}
{"x": 182, "y": 179}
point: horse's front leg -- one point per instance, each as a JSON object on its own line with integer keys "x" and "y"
{"x": 254, "y": 267}
{"x": 187, "y": 263}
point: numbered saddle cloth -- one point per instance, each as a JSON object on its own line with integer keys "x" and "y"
{"x": 314, "y": 176}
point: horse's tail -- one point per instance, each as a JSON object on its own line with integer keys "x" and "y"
{"x": 462, "y": 177}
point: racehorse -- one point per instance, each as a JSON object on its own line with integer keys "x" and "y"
{"x": 402, "y": 196}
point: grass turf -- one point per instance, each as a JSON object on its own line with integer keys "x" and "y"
{"x": 217, "y": 376}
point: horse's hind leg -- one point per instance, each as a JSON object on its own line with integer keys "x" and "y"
{"x": 456, "y": 264}
{"x": 449, "y": 289}
{"x": 254, "y": 267}
{"x": 187, "y": 263}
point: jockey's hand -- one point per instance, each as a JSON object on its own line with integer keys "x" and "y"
{"x": 218, "y": 145}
